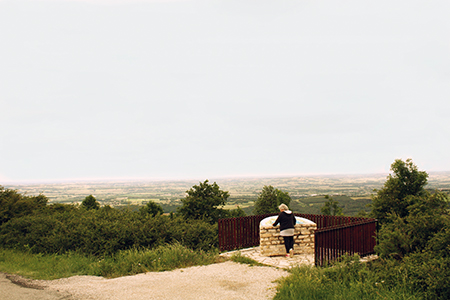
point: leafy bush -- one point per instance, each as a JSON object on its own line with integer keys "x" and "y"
{"x": 14, "y": 205}
{"x": 152, "y": 208}
{"x": 102, "y": 232}
{"x": 415, "y": 233}
{"x": 90, "y": 203}
{"x": 425, "y": 217}
{"x": 429, "y": 273}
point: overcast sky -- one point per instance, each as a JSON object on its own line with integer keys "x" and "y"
{"x": 99, "y": 89}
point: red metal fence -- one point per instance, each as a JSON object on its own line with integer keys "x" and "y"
{"x": 335, "y": 235}
{"x": 332, "y": 242}
{"x": 238, "y": 233}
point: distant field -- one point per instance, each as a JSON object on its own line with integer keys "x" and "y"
{"x": 352, "y": 191}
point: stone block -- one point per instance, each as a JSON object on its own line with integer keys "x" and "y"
{"x": 272, "y": 244}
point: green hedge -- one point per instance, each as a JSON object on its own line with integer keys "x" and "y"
{"x": 62, "y": 228}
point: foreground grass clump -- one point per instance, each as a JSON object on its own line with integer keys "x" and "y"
{"x": 48, "y": 266}
{"x": 163, "y": 258}
{"x": 349, "y": 279}
{"x": 239, "y": 258}
{"x": 126, "y": 262}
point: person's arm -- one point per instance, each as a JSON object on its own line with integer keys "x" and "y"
{"x": 276, "y": 221}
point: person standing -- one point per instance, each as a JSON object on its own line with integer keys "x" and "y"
{"x": 286, "y": 219}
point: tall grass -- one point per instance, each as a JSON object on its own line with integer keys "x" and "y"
{"x": 38, "y": 266}
{"x": 347, "y": 280}
{"x": 126, "y": 262}
{"x": 163, "y": 258}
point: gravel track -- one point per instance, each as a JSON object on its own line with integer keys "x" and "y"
{"x": 227, "y": 280}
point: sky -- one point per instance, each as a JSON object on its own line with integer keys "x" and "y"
{"x": 98, "y": 89}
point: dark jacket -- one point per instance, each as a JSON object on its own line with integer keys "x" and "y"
{"x": 286, "y": 219}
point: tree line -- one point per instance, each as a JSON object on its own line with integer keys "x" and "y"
{"x": 31, "y": 223}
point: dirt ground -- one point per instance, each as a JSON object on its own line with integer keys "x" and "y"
{"x": 17, "y": 288}
{"x": 227, "y": 280}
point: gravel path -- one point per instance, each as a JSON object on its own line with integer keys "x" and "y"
{"x": 227, "y": 280}
{"x": 24, "y": 289}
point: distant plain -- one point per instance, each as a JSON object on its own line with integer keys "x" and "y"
{"x": 353, "y": 192}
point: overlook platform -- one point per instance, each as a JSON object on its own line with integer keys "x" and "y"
{"x": 281, "y": 261}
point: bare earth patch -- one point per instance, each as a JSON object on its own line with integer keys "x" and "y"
{"x": 226, "y": 280}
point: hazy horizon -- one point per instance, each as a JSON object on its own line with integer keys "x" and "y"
{"x": 197, "y": 179}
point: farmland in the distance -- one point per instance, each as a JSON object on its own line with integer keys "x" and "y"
{"x": 352, "y": 191}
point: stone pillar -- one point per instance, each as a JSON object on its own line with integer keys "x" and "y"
{"x": 272, "y": 244}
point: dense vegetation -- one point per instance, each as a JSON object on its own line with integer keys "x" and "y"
{"x": 57, "y": 240}
{"x": 350, "y": 280}
{"x": 28, "y": 223}
{"x": 413, "y": 246}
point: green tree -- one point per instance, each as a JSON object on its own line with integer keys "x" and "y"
{"x": 14, "y": 204}
{"x": 400, "y": 190}
{"x": 283, "y": 197}
{"x": 152, "y": 208}
{"x": 204, "y": 202}
{"x": 331, "y": 207}
{"x": 269, "y": 199}
{"x": 235, "y": 213}
{"x": 90, "y": 203}
{"x": 426, "y": 221}
{"x": 410, "y": 216}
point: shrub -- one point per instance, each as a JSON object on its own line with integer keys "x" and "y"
{"x": 151, "y": 209}
{"x": 429, "y": 273}
{"x": 425, "y": 218}
{"x": 102, "y": 232}
{"x": 15, "y": 205}
{"x": 90, "y": 203}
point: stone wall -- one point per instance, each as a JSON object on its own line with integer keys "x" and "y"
{"x": 272, "y": 244}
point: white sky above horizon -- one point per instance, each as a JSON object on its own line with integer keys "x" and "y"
{"x": 198, "y": 89}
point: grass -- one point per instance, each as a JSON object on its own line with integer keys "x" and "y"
{"x": 38, "y": 266}
{"x": 347, "y": 280}
{"x": 128, "y": 262}
{"x": 237, "y": 257}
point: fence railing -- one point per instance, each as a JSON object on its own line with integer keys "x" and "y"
{"x": 335, "y": 235}
{"x": 333, "y": 242}
{"x": 241, "y": 232}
